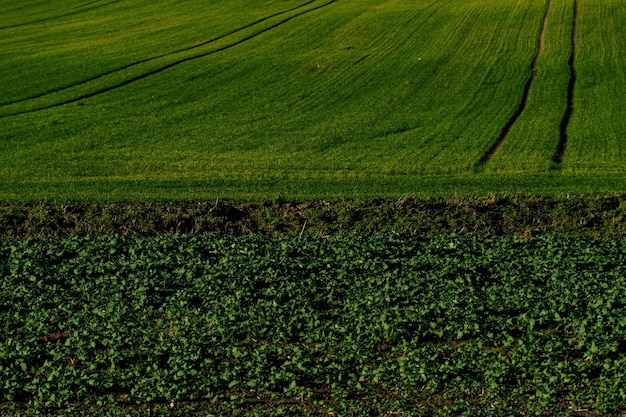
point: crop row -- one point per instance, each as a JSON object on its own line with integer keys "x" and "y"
{"x": 255, "y": 326}
{"x": 187, "y": 96}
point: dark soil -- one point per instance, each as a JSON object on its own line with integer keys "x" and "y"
{"x": 524, "y": 216}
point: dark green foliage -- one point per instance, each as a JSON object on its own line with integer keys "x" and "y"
{"x": 353, "y": 326}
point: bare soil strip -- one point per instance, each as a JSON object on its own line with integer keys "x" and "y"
{"x": 560, "y": 150}
{"x": 512, "y": 215}
{"x": 533, "y": 74}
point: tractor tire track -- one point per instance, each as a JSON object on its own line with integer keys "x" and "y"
{"x": 47, "y": 19}
{"x": 153, "y": 58}
{"x": 560, "y": 149}
{"x": 525, "y": 94}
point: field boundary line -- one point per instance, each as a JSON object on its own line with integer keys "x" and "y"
{"x": 525, "y": 94}
{"x": 560, "y": 150}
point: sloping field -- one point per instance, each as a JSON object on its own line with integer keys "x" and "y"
{"x": 532, "y": 140}
{"x": 154, "y": 99}
{"x": 599, "y": 119}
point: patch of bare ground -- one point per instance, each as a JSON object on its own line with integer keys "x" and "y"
{"x": 491, "y": 216}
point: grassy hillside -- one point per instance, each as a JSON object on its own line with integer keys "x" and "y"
{"x": 304, "y": 99}
{"x": 599, "y": 124}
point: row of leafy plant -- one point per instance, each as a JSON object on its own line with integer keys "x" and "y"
{"x": 346, "y": 326}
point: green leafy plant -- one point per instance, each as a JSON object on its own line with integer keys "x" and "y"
{"x": 445, "y": 326}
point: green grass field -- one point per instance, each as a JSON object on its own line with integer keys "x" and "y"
{"x": 152, "y": 99}
{"x": 219, "y": 207}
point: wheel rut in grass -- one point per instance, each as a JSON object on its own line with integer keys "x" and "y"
{"x": 560, "y": 150}
{"x": 526, "y": 92}
{"x": 161, "y": 68}
{"x": 147, "y": 60}
{"x": 83, "y": 8}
